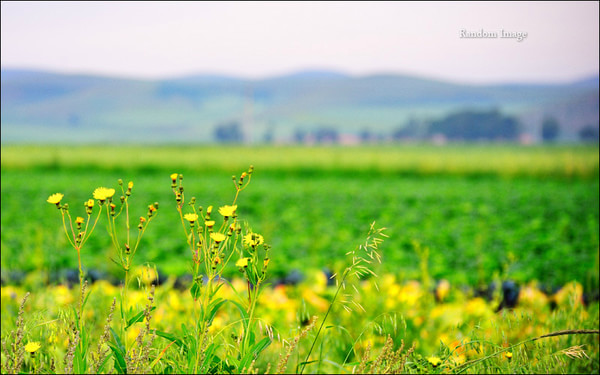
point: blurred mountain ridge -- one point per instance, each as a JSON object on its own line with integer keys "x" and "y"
{"x": 42, "y": 106}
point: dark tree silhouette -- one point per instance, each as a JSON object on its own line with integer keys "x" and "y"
{"x": 589, "y": 133}
{"x": 550, "y": 129}
{"x": 229, "y": 132}
{"x": 472, "y": 125}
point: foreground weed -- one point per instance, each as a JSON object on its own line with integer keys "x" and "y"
{"x": 100, "y": 356}
{"x": 126, "y": 249}
{"x": 508, "y": 351}
{"x": 78, "y": 231}
{"x": 213, "y": 246}
{"x": 12, "y": 347}
{"x": 138, "y": 360}
{"x": 389, "y": 361}
{"x": 77, "y": 235}
{"x": 359, "y": 266}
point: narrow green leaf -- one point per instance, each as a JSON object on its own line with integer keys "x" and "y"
{"x": 171, "y": 337}
{"x": 234, "y": 362}
{"x": 214, "y": 308}
{"x": 208, "y": 357}
{"x": 251, "y": 336}
{"x": 80, "y": 355}
{"x": 76, "y": 315}
{"x": 216, "y": 290}
{"x": 103, "y": 364}
{"x": 85, "y": 299}
{"x": 261, "y": 345}
{"x": 137, "y": 317}
{"x": 241, "y": 309}
{"x": 120, "y": 364}
{"x": 304, "y": 364}
{"x": 195, "y": 290}
{"x": 80, "y": 360}
{"x": 117, "y": 339}
{"x": 253, "y": 353}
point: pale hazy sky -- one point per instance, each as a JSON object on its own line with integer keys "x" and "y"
{"x": 256, "y": 39}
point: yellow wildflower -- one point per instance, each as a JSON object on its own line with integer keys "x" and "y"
{"x": 227, "y": 211}
{"x": 62, "y": 295}
{"x": 435, "y": 361}
{"x": 55, "y": 198}
{"x": 209, "y": 210}
{"x": 312, "y": 298}
{"x": 217, "y": 237}
{"x": 90, "y": 203}
{"x": 174, "y": 176}
{"x": 508, "y": 355}
{"x": 130, "y": 185}
{"x": 79, "y": 220}
{"x": 32, "y": 347}
{"x": 103, "y": 193}
{"x": 190, "y": 217}
{"x": 209, "y": 223}
{"x": 242, "y": 263}
{"x": 253, "y": 239}
{"x": 442, "y": 290}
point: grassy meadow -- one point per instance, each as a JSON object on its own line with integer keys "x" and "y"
{"x": 460, "y": 221}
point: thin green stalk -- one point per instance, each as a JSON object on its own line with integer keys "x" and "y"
{"x": 251, "y": 308}
{"x": 124, "y": 308}
{"x": 127, "y": 219}
{"x": 66, "y": 232}
{"x": 86, "y": 233}
{"x": 201, "y": 333}
{"x": 323, "y": 322}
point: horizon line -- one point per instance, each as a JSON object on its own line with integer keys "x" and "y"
{"x": 318, "y": 70}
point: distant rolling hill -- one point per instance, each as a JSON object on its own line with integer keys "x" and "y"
{"x": 40, "y": 106}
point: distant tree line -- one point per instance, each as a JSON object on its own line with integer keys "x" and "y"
{"x": 323, "y": 134}
{"x": 467, "y": 125}
{"x": 474, "y": 126}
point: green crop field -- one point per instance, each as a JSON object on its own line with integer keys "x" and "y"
{"x": 531, "y": 212}
{"x": 467, "y": 216}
